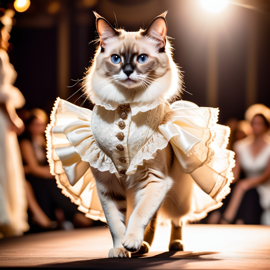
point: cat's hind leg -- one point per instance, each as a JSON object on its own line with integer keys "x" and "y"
{"x": 148, "y": 236}
{"x": 176, "y": 240}
{"x": 177, "y": 205}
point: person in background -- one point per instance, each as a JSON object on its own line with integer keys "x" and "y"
{"x": 239, "y": 130}
{"x": 13, "y": 203}
{"x": 232, "y": 123}
{"x": 52, "y": 203}
{"x": 251, "y": 195}
{"x": 242, "y": 130}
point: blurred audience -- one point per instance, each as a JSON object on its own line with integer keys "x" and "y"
{"x": 13, "y": 204}
{"x": 232, "y": 124}
{"x": 251, "y": 196}
{"x": 46, "y": 202}
{"x": 242, "y": 130}
{"x": 239, "y": 131}
{"x": 249, "y": 201}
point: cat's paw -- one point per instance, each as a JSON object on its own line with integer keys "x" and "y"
{"x": 176, "y": 245}
{"x": 145, "y": 247}
{"x": 132, "y": 242}
{"x": 119, "y": 253}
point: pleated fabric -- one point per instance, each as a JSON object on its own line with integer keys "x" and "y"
{"x": 198, "y": 142}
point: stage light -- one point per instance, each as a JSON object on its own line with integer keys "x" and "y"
{"x": 21, "y": 5}
{"x": 214, "y": 5}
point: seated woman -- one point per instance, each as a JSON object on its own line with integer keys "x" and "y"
{"x": 239, "y": 131}
{"x": 251, "y": 195}
{"x": 53, "y": 204}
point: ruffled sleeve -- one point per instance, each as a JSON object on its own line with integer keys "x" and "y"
{"x": 199, "y": 144}
{"x": 71, "y": 150}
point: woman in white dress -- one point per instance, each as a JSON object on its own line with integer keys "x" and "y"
{"x": 13, "y": 204}
{"x": 253, "y": 157}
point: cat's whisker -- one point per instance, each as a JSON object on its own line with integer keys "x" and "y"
{"x": 145, "y": 84}
{"x": 187, "y": 92}
{"x": 77, "y": 81}
{"x": 95, "y": 41}
{"x": 75, "y": 93}
{"x": 79, "y": 98}
{"x": 155, "y": 82}
{"x": 84, "y": 101}
{"x": 87, "y": 97}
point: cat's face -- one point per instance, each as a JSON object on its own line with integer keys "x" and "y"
{"x": 131, "y": 65}
{"x": 132, "y": 60}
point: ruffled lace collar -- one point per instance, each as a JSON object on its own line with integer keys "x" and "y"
{"x": 136, "y": 107}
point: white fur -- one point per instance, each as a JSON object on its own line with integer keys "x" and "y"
{"x": 100, "y": 89}
{"x": 155, "y": 185}
{"x": 147, "y": 189}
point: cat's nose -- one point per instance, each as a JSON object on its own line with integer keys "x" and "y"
{"x": 128, "y": 69}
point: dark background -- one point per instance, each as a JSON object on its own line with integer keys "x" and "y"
{"x": 35, "y": 46}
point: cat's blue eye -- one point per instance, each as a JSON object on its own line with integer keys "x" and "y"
{"x": 116, "y": 59}
{"x": 142, "y": 58}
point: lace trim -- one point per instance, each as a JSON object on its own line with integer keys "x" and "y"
{"x": 220, "y": 192}
{"x": 211, "y": 117}
{"x": 135, "y": 107}
{"x": 108, "y": 106}
{"x": 147, "y": 152}
{"x": 202, "y": 149}
{"x": 204, "y": 152}
{"x": 221, "y": 188}
{"x": 95, "y": 156}
{"x": 48, "y": 132}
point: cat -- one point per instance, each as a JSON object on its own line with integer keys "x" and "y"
{"x": 137, "y": 67}
{"x": 145, "y": 158}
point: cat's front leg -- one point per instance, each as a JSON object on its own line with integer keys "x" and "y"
{"x": 148, "y": 201}
{"x": 114, "y": 207}
{"x": 115, "y": 220}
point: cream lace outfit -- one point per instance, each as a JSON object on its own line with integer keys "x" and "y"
{"x": 13, "y": 204}
{"x": 118, "y": 139}
{"x": 253, "y": 167}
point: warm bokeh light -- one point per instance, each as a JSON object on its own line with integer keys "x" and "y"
{"x": 21, "y": 5}
{"x": 214, "y": 5}
{"x": 53, "y": 7}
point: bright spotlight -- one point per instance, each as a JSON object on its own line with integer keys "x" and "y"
{"x": 21, "y": 5}
{"x": 214, "y": 5}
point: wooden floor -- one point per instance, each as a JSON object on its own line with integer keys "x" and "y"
{"x": 207, "y": 247}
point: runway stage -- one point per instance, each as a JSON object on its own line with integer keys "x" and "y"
{"x": 207, "y": 247}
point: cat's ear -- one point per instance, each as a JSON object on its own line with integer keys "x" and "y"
{"x": 158, "y": 30}
{"x": 104, "y": 28}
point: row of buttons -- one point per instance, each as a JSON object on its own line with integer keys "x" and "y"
{"x": 123, "y": 112}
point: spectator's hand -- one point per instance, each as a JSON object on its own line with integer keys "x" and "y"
{"x": 245, "y": 184}
{"x": 16, "y": 125}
